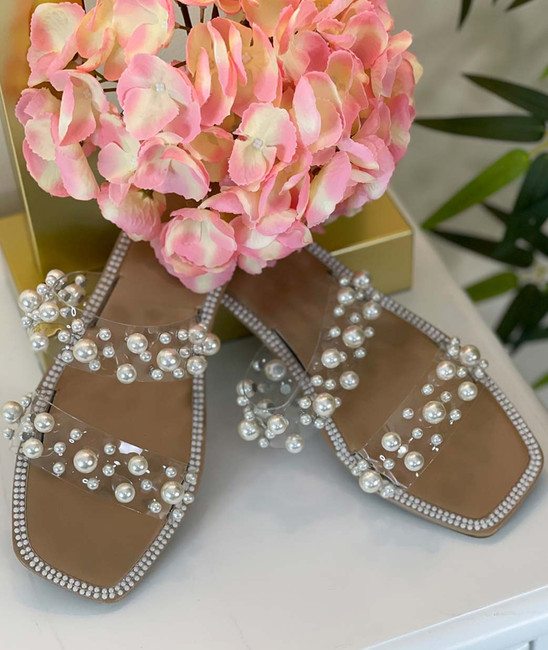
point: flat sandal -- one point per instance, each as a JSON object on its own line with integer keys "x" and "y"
{"x": 109, "y": 459}
{"x": 410, "y": 412}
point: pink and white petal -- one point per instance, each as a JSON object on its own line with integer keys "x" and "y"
{"x": 147, "y": 112}
{"x": 116, "y": 164}
{"x": 327, "y": 189}
{"x": 307, "y": 116}
{"x": 45, "y": 173}
{"x": 76, "y": 173}
{"x": 249, "y": 164}
{"x": 39, "y": 136}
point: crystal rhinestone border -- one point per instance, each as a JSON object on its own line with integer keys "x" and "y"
{"x": 428, "y": 510}
{"x": 20, "y": 537}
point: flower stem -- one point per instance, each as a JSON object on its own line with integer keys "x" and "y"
{"x": 186, "y": 15}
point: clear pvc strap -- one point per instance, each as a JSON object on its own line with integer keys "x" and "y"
{"x": 101, "y": 464}
{"x": 63, "y": 317}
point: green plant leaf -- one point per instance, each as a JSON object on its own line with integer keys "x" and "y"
{"x": 513, "y": 319}
{"x": 493, "y": 286}
{"x": 517, "y": 3}
{"x": 531, "y": 207}
{"x": 466, "y": 5}
{"x": 488, "y": 248}
{"x": 540, "y": 383}
{"x": 509, "y": 128}
{"x": 531, "y": 100}
{"x": 498, "y": 213}
{"x": 488, "y": 182}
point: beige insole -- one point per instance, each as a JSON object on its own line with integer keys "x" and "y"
{"x": 485, "y": 456}
{"x": 85, "y": 535}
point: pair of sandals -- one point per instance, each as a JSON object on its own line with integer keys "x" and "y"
{"x": 109, "y": 460}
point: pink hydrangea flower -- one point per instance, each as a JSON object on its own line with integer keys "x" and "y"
{"x": 114, "y": 31}
{"x": 267, "y": 134}
{"x": 198, "y": 247}
{"x": 155, "y": 96}
{"x": 52, "y": 39}
{"x": 60, "y": 170}
{"x": 138, "y": 213}
{"x": 279, "y": 117}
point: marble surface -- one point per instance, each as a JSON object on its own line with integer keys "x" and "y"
{"x": 285, "y": 551}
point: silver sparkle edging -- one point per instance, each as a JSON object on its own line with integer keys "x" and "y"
{"x": 450, "y": 519}
{"x": 47, "y": 389}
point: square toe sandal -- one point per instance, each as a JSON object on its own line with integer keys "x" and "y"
{"x": 408, "y": 410}
{"x": 111, "y": 442}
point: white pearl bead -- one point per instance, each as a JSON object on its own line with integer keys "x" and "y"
{"x": 417, "y": 433}
{"x": 39, "y": 342}
{"x": 188, "y": 498}
{"x": 124, "y": 493}
{"x": 349, "y": 380}
{"x": 172, "y": 493}
{"x": 331, "y": 358}
{"x": 436, "y": 439}
{"x": 137, "y": 343}
{"x": 446, "y": 370}
{"x": 104, "y": 334}
{"x": 170, "y": 472}
{"x": 108, "y": 470}
{"x": 353, "y": 336}
{"x": 76, "y": 434}
{"x": 93, "y": 483}
{"x": 74, "y": 294}
{"x": 59, "y": 448}
{"x": 168, "y": 359}
{"x": 12, "y": 412}
{"x": 324, "y": 405}
{"x": 197, "y": 333}
{"x": 371, "y": 310}
{"x": 126, "y": 373}
{"x": 58, "y": 468}
{"x": 28, "y": 300}
{"x": 196, "y": 366}
{"x": 109, "y": 448}
{"x": 48, "y": 311}
{"x": 469, "y": 355}
{"x": 275, "y": 370}
{"x": 249, "y": 430}
{"x": 414, "y": 461}
{"x": 389, "y": 464}
{"x": 85, "y": 461}
{"x": 467, "y": 391}
{"x": 370, "y": 481}
{"x": 53, "y": 276}
{"x": 137, "y": 465}
{"x": 211, "y": 345}
{"x": 346, "y": 296}
{"x": 84, "y": 350}
{"x": 44, "y": 422}
{"x": 361, "y": 280}
{"x": 33, "y": 448}
{"x": 294, "y": 443}
{"x": 277, "y": 424}
{"x": 434, "y": 412}
{"x": 146, "y": 485}
{"x": 155, "y": 507}
{"x": 391, "y": 441}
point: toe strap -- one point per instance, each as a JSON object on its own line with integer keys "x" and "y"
{"x": 93, "y": 460}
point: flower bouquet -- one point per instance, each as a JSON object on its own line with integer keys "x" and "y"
{"x": 272, "y": 119}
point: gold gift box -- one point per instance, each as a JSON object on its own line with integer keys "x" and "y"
{"x": 64, "y": 233}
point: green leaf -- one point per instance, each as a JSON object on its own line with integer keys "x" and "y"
{"x": 491, "y": 180}
{"x": 488, "y": 248}
{"x": 501, "y": 215}
{"x": 514, "y": 316}
{"x": 510, "y": 128}
{"x": 464, "y": 11}
{"x": 531, "y": 100}
{"x": 540, "y": 383}
{"x": 517, "y": 3}
{"x": 493, "y": 286}
{"x": 531, "y": 208}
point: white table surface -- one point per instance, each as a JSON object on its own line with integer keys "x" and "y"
{"x": 284, "y": 551}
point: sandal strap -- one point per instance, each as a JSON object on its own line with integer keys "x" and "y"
{"x": 63, "y": 316}
{"x": 283, "y": 403}
{"x": 98, "y": 462}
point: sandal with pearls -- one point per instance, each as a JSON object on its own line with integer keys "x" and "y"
{"x": 410, "y": 412}
{"x": 109, "y": 459}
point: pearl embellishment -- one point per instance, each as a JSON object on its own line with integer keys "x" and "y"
{"x": 467, "y": 391}
{"x": 85, "y": 461}
{"x": 391, "y": 441}
{"x": 370, "y": 481}
{"x": 124, "y": 493}
{"x": 137, "y": 465}
{"x": 414, "y": 461}
{"x": 33, "y": 448}
{"x": 172, "y": 493}
{"x": 434, "y": 412}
